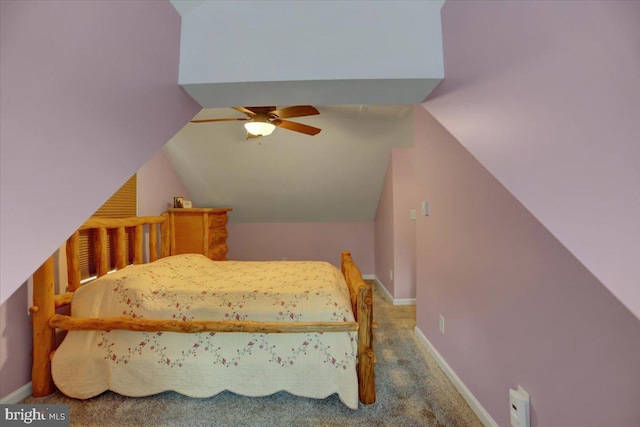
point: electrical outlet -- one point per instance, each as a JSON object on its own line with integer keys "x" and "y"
{"x": 441, "y": 324}
{"x": 412, "y": 214}
{"x": 284, "y": 258}
{"x": 391, "y": 274}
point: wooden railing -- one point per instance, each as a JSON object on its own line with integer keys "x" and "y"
{"x": 101, "y": 225}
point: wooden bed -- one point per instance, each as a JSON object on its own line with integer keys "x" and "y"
{"x": 45, "y": 302}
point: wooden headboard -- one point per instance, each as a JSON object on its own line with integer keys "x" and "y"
{"x": 120, "y": 225}
{"x": 45, "y": 301}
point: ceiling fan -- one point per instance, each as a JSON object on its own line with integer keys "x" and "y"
{"x": 261, "y": 121}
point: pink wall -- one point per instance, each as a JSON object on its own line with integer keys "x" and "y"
{"x": 519, "y": 308}
{"x": 404, "y": 228}
{"x": 383, "y": 228}
{"x": 158, "y": 183}
{"x": 15, "y": 342}
{"x": 88, "y": 94}
{"x": 395, "y": 232}
{"x": 303, "y": 241}
{"x": 546, "y": 96}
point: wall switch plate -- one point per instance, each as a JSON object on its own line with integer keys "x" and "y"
{"x": 425, "y": 208}
{"x": 412, "y": 214}
{"x": 441, "y": 324}
{"x": 391, "y": 274}
{"x": 519, "y": 402}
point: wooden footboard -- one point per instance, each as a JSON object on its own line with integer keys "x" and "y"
{"x": 362, "y": 303}
{"x": 45, "y": 320}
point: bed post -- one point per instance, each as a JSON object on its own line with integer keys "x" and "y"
{"x": 366, "y": 358}
{"x": 43, "y": 335}
{"x": 153, "y": 242}
{"x": 362, "y": 302}
{"x": 73, "y": 264}
{"x": 165, "y": 236}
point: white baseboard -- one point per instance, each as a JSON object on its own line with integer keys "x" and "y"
{"x": 404, "y": 301}
{"x": 17, "y": 395}
{"x": 387, "y": 295}
{"x": 484, "y": 416}
{"x": 384, "y": 290}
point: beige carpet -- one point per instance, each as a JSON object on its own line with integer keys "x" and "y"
{"x": 411, "y": 391}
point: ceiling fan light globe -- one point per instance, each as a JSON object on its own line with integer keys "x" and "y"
{"x": 259, "y": 128}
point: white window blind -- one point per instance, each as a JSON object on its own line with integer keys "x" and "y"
{"x": 123, "y": 203}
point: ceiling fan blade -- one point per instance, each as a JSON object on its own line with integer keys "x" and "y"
{"x": 298, "y": 127}
{"x": 296, "y": 111}
{"x": 244, "y": 111}
{"x": 217, "y": 120}
{"x": 255, "y": 110}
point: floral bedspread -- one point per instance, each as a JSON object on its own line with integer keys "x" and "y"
{"x": 192, "y": 287}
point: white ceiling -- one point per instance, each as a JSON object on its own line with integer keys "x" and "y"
{"x": 185, "y": 6}
{"x": 321, "y": 52}
{"x": 336, "y": 175}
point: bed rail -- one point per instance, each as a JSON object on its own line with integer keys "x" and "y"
{"x": 194, "y": 326}
{"x": 46, "y": 321}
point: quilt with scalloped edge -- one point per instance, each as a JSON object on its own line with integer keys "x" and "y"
{"x": 193, "y": 287}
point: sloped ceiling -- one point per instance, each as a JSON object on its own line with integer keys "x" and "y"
{"x": 336, "y": 175}
{"x": 519, "y": 105}
{"x": 69, "y": 105}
